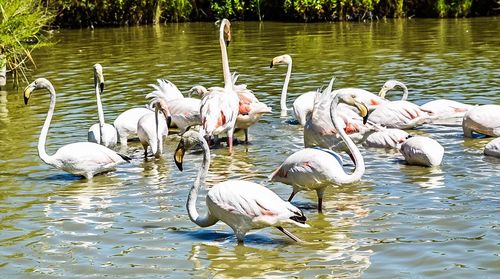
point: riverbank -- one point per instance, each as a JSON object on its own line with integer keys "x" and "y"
{"x": 116, "y": 13}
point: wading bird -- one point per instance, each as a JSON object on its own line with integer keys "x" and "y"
{"x": 242, "y": 205}
{"x": 314, "y": 168}
{"x": 484, "y": 120}
{"x": 422, "y": 151}
{"x": 220, "y": 106}
{"x": 153, "y": 127}
{"x": 493, "y": 148}
{"x": 80, "y": 158}
{"x": 101, "y": 132}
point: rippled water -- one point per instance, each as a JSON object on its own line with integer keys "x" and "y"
{"x": 399, "y": 221}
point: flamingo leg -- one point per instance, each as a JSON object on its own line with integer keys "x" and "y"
{"x": 292, "y": 195}
{"x": 289, "y": 234}
{"x": 246, "y": 136}
{"x": 320, "y": 200}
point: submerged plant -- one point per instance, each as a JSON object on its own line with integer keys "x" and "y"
{"x": 21, "y": 23}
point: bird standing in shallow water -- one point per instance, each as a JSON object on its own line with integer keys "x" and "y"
{"x": 242, "y": 205}
{"x": 315, "y": 168}
{"x": 80, "y": 158}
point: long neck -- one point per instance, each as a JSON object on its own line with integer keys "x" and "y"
{"x": 45, "y": 130}
{"x": 284, "y": 109}
{"x": 359, "y": 163}
{"x": 100, "y": 111}
{"x": 228, "y": 84}
{"x": 157, "y": 129}
{"x": 207, "y": 220}
{"x": 405, "y": 93}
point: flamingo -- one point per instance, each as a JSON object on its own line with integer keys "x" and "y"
{"x": 151, "y": 129}
{"x": 304, "y": 104}
{"x": 493, "y": 148}
{"x": 483, "y": 120}
{"x": 126, "y": 123}
{"x": 219, "y": 107}
{"x": 250, "y": 108}
{"x": 446, "y": 112}
{"x": 242, "y": 205}
{"x": 185, "y": 111}
{"x": 81, "y": 158}
{"x": 316, "y": 168}
{"x": 386, "y": 138}
{"x": 423, "y": 151}
{"x": 101, "y": 132}
{"x": 319, "y": 130}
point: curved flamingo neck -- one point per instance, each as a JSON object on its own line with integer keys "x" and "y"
{"x": 45, "y": 129}
{"x": 207, "y": 219}
{"x": 405, "y": 92}
{"x": 359, "y": 163}
{"x": 284, "y": 91}
{"x": 228, "y": 84}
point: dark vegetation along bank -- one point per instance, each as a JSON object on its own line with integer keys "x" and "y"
{"x": 24, "y": 24}
{"x": 84, "y": 13}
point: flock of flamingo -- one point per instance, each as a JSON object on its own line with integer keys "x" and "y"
{"x": 333, "y": 120}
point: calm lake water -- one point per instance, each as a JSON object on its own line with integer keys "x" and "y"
{"x": 399, "y": 222}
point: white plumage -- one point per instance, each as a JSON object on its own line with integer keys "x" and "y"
{"x": 483, "y": 120}
{"x": 81, "y": 158}
{"x": 423, "y": 151}
{"x": 493, "y": 148}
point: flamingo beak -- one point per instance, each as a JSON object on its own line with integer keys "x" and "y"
{"x": 101, "y": 86}
{"x": 179, "y": 154}
{"x": 272, "y": 64}
{"x": 363, "y": 110}
{"x": 27, "y": 93}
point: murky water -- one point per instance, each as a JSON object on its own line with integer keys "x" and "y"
{"x": 399, "y": 221}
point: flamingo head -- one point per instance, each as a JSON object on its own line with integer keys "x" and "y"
{"x": 98, "y": 76}
{"x": 282, "y": 59}
{"x": 39, "y": 83}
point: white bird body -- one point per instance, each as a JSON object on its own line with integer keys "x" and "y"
{"x": 219, "y": 106}
{"x": 185, "y": 112}
{"x": 126, "y": 123}
{"x": 483, "y": 119}
{"x": 242, "y": 205}
{"x": 85, "y": 158}
{"x": 151, "y": 130}
{"x": 399, "y": 115}
{"x": 81, "y": 158}
{"x": 109, "y": 135}
{"x": 387, "y": 138}
{"x": 446, "y": 112}
{"x": 319, "y": 130}
{"x": 314, "y": 168}
{"x": 423, "y": 151}
{"x": 303, "y": 105}
{"x": 493, "y": 148}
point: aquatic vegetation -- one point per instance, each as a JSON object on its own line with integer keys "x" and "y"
{"x": 21, "y": 23}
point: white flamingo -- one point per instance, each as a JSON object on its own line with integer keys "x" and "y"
{"x": 185, "y": 111}
{"x": 493, "y": 148}
{"x": 126, "y": 124}
{"x": 423, "y": 151}
{"x": 152, "y": 128}
{"x": 315, "y": 168}
{"x": 398, "y": 114}
{"x": 446, "y": 112}
{"x": 242, "y": 205}
{"x": 386, "y": 138}
{"x": 219, "y": 107}
{"x": 81, "y": 158}
{"x": 101, "y": 132}
{"x": 483, "y": 120}
{"x": 319, "y": 130}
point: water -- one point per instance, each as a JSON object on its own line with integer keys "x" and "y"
{"x": 399, "y": 221}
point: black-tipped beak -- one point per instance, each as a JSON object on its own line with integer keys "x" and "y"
{"x": 101, "y": 86}
{"x": 270, "y": 66}
{"x": 26, "y": 100}
{"x": 365, "y": 118}
{"x": 227, "y": 43}
{"x": 179, "y": 155}
{"x": 169, "y": 121}
{"x": 27, "y": 94}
